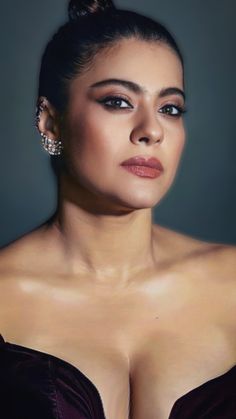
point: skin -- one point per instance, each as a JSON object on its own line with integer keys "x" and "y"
{"x": 144, "y": 308}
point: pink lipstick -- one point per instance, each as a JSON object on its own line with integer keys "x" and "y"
{"x": 149, "y": 167}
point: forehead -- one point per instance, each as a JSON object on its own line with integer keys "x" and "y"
{"x": 151, "y": 64}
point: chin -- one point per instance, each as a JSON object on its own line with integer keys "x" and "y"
{"x": 137, "y": 201}
{"x": 144, "y": 204}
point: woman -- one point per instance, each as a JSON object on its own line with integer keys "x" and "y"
{"x": 103, "y": 313}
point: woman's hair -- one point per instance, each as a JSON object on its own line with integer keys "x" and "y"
{"x": 93, "y": 25}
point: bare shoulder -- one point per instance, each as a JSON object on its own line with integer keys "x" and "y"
{"x": 207, "y": 269}
{"x": 20, "y": 275}
{"x": 22, "y": 253}
{"x": 213, "y": 256}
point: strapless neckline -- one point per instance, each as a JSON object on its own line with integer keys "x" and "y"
{"x": 77, "y": 371}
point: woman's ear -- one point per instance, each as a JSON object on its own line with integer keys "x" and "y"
{"x": 47, "y": 119}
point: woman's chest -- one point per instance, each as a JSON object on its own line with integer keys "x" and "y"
{"x": 141, "y": 354}
{"x": 144, "y": 385}
{"x": 138, "y": 372}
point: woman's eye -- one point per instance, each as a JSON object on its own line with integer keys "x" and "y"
{"x": 172, "y": 110}
{"x": 115, "y": 102}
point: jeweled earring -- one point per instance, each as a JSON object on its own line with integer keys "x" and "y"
{"x": 53, "y": 147}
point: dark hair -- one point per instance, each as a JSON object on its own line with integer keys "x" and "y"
{"x": 93, "y": 25}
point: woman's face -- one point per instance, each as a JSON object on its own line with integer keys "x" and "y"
{"x": 110, "y": 122}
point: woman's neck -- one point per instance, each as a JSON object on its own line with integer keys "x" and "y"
{"x": 106, "y": 245}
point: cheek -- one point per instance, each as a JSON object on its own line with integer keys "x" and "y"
{"x": 173, "y": 151}
{"x": 176, "y": 142}
{"x": 178, "y": 149}
{"x": 94, "y": 143}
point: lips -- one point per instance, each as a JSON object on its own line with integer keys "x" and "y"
{"x": 152, "y": 162}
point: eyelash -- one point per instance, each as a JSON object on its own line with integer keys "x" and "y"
{"x": 181, "y": 110}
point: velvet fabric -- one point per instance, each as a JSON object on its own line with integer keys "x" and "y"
{"x": 37, "y": 385}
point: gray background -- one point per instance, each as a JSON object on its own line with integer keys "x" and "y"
{"x": 202, "y": 202}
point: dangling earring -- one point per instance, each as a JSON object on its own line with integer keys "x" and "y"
{"x": 53, "y": 147}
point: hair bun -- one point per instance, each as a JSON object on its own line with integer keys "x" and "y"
{"x": 80, "y": 8}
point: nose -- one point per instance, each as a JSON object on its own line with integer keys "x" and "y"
{"x": 147, "y": 129}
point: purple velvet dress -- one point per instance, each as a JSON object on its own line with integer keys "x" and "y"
{"x": 37, "y": 385}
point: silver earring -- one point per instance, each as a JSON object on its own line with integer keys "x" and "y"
{"x": 53, "y": 147}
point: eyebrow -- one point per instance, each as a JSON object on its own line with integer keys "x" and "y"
{"x": 136, "y": 88}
